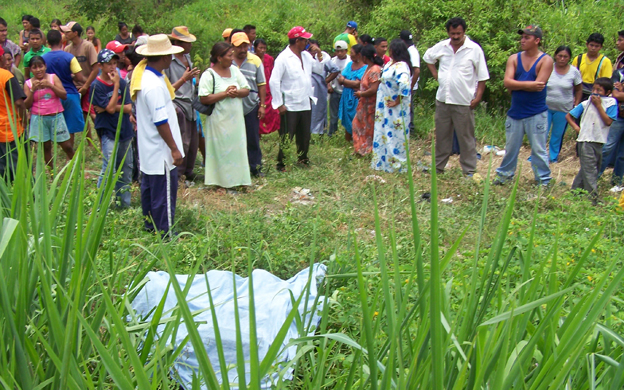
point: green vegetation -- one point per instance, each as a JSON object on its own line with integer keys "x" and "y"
{"x": 502, "y": 288}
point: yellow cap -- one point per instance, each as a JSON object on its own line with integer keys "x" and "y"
{"x": 226, "y": 33}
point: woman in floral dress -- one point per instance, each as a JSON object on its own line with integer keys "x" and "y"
{"x": 364, "y": 122}
{"x": 392, "y": 116}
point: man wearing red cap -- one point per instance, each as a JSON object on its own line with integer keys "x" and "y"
{"x": 291, "y": 86}
{"x": 10, "y": 118}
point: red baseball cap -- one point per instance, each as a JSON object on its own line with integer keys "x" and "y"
{"x": 116, "y": 46}
{"x": 299, "y": 32}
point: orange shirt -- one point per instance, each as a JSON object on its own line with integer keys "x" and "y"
{"x": 8, "y": 116}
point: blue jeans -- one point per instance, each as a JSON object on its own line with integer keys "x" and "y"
{"x": 556, "y": 119}
{"x": 124, "y": 148}
{"x": 613, "y": 151}
{"x": 334, "y": 106}
{"x": 535, "y": 128}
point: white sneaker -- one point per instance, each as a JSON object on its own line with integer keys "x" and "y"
{"x": 617, "y": 189}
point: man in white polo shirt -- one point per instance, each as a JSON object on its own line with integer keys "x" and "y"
{"x": 462, "y": 74}
{"x": 291, "y": 88}
{"x": 158, "y": 135}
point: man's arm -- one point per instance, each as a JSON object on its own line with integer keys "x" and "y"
{"x": 276, "y": 86}
{"x": 17, "y": 59}
{"x": 479, "y": 95}
{"x": 94, "y": 72}
{"x": 165, "y": 132}
{"x": 434, "y": 71}
{"x": 262, "y": 95}
{"x": 532, "y": 86}
{"x": 187, "y": 76}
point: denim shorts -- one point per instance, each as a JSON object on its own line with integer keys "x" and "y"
{"x": 44, "y": 128}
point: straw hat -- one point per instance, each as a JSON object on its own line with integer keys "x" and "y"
{"x": 158, "y": 45}
{"x": 181, "y": 33}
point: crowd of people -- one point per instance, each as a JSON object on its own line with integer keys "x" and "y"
{"x": 145, "y": 96}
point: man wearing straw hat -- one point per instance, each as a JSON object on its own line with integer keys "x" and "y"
{"x": 158, "y": 135}
{"x": 181, "y": 74}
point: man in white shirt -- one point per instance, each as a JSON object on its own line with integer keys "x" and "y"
{"x": 291, "y": 88}
{"x": 158, "y": 136}
{"x": 462, "y": 69}
{"x": 335, "y": 88}
{"x": 406, "y": 36}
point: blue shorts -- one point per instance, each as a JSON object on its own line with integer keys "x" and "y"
{"x": 73, "y": 113}
{"x": 44, "y": 128}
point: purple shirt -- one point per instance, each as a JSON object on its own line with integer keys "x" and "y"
{"x": 10, "y": 47}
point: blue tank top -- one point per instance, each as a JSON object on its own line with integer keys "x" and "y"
{"x": 525, "y": 104}
{"x": 58, "y": 62}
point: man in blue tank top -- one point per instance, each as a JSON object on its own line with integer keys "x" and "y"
{"x": 525, "y": 77}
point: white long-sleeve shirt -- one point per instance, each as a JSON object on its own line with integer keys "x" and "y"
{"x": 292, "y": 78}
{"x": 459, "y": 72}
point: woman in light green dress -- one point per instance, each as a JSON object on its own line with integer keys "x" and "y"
{"x": 226, "y": 143}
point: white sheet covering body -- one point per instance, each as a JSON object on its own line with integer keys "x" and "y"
{"x": 273, "y": 304}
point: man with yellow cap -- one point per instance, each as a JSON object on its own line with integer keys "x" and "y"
{"x": 253, "y": 105}
{"x": 181, "y": 73}
{"x": 158, "y": 136}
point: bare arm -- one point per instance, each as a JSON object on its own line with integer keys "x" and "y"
{"x": 416, "y": 73}
{"x": 513, "y": 85}
{"x": 597, "y": 102}
{"x": 331, "y": 77}
{"x": 618, "y": 92}
{"x": 353, "y": 84}
{"x": 479, "y": 95}
{"x": 572, "y": 122}
{"x": 79, "y": 77}
{"x": 29, "y": 97}
{"x": 165, "y": 132}
{"x": 111, "y": 108}
{"x": 17, "y": 60}
{"x": 433, "y": 70}
{"x": 262, "y": 95}
{"x": 94, "y": 72}
{"x": 578, "y": 94}
{"x": 187, "y": 76}
{"x": 372, "y": 91}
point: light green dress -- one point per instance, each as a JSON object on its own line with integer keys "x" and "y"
{"x": 226, "y": 141}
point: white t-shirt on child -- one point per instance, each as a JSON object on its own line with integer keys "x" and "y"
{"x": 593, "y": 129}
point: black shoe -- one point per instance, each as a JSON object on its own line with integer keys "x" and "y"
{"x": 280, "y": 168}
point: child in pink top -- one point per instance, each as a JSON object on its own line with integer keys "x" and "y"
{"x": 43, "y": 97}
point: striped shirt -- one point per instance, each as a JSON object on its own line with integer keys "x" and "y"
{"x": 253, "y": 70}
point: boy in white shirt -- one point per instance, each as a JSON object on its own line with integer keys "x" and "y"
{"x": 597, "y": 113}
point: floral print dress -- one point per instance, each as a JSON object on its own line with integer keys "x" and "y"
{"x": 364, "y": 122}
{"x": 392, "y": 123}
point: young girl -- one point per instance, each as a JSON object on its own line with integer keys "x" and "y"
{"x": 56, "y": 24}
{"x": 43, "y": 97}
{"x": 92, "y": 38}
{"x": 24, "y": 34}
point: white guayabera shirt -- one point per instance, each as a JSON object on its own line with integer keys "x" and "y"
{"x": 459, "y": 71}
{"x": 293, "y": 80}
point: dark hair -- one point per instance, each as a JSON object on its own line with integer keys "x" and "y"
{"x": 605, "y": 83}
{"x": 236, "y": 30}
{"x": 3, "y": 23}
{"x": 54, "y": 37}
{"x": 292, "y": 41}
{"x": 35, "y": 23}
{"x": 90, "y": 28}
{"x": 36, "y": 60}
{"x": 398, "y": 50}
{"x": 455, "y": 22}
{"x": 249, "y": 27}
{"x": 314, "y": 42}
{"x": 134, "y": 57}
{"x": 57, "y": 22}
{"x": 596, "y": 38}
{"x": 77, "y": 28}
{"x": 219, "y": 50}
{"x": 137, "y": 29}
{"x": 27, "y": 17}
{"x": 621, "y": 33}
{"x": 369, "y": 52}
{"x": 152, "y": 59}
{"x": 564, "y": 48}
{"x": 357, "y": 48}
{"x": 121, "y": 25}
{"x": 35, "y": 31}
{"x": 379, "y": 40}
{"x": 259, "y": 41}
{"x": 366, "y": 39}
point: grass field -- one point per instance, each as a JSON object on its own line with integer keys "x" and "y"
{"x": 503, "y": 287}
